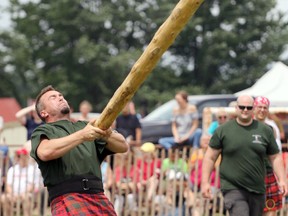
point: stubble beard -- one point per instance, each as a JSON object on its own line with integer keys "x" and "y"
{"x": 65, "y": 110}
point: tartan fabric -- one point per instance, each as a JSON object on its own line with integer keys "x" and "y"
{"x": 273, "y": 200}
{"x": 79, "y": 204}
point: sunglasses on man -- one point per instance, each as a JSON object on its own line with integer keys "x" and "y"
{"x": 245, "y": 107}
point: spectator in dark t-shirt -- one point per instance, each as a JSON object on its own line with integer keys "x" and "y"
{"x": 29, "y": 119}
{"x": 129, "y": 126}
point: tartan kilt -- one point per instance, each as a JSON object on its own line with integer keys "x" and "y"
{"x": 273, "y": 199}
{"x": 82, "y": 204}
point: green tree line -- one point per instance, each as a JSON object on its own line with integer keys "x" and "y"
{"x": 86, "y": 48}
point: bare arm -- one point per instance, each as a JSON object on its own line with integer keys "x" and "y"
{"x": 209, "y": 160}
{"x": 21, "y": 114}
{"x": 109, "y": 177}
{"x": 55, "y": 148}
{"x": 174, "y": 127}
{"x": 278, "y": 167}
{"x": 30, "y": 188}
{"x": 194, "y": 126}
{"x": 8, "y": 188}
{"x": 138, "y": 138}
{"x": 138, "y": 135}
{"x": 174, "y": 130}
{"x": 116, "y": 143}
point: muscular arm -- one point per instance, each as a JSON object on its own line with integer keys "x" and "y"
{"x": 278, "y": 167}
{"x": 116, "y": 143}
{"x": 55, "y": 148}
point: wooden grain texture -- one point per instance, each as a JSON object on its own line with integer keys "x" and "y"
{"x": 161, "y": 41}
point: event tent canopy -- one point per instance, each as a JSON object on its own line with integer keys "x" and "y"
{"x": 273, "y": 85}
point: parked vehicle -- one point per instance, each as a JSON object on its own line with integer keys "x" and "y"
{"x": 157, "y": 124}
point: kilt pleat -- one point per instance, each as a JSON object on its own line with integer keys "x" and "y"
{"x": 273, "y": 197}
{"x": 82, "y": 205}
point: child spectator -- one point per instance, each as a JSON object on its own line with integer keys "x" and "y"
{"x": 18, "y": 187}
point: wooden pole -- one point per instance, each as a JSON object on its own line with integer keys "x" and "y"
{"x": 161, "y": 41}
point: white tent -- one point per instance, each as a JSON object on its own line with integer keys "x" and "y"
{"x": 273, "y": 85}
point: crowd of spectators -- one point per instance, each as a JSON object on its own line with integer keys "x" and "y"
{"x": 162, "y": 177}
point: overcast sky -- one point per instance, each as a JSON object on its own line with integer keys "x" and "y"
{"x": 4, "y": 17}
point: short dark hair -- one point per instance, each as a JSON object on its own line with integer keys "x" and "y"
{"x": 38, "y": 105}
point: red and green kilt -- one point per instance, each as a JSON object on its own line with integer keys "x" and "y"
{"x": 273, "y": 200}
{"x": 82, "y": 205}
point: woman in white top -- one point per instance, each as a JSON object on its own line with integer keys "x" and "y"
{"x": 184, "y": 124}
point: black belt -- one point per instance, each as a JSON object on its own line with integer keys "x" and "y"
{"x": 88, "y": 185}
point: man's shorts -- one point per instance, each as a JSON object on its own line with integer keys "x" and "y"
{"x": 273, "y": 199}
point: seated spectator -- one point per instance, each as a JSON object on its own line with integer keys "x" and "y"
{"x": 133, "y": 110}
{"x": 18, "y": 187}
{"x": 174, "y": 166}
{"x": 184, "y": 124}
{"x": 221, "y": 117}
{"x": 85, "y": 108}
{"x": 129, "y": 126}
{"x": 195, "y": 165}
{"x": 125, "y": 175}
{"x": 148, "y": 171}
{"x": 175, "y": 170}
{"x": 107, "y": 178}
{"x": 36, "y": 180}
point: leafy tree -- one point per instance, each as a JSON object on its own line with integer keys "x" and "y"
{"x": 16, "y": 67}
{"x": 228, "y": 39}
{"x": 87, "y": 47}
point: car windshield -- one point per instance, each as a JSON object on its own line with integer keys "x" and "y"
{"x": 164, "y": 112}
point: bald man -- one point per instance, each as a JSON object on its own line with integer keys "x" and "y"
{"x": 243, "y": 144}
